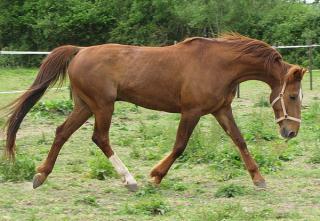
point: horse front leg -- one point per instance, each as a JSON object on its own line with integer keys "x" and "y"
{"x": 187, "y": 123}
{"x": 225, "y": 118}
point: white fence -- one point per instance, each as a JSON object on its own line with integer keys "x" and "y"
{"x": 310, "y": 47}
{"x": 24, "y": 52}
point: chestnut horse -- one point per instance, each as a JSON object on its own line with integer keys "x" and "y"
{"x": 195, "y": 77}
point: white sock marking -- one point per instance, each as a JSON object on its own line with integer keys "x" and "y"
{"x": 122, "y": 169}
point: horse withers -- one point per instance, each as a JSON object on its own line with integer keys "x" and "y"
{"x": 195, "y": 77}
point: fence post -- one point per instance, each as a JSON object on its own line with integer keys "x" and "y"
{"x": 310, "y": 66}
{"x": 238, "y": 91}
{"x": 70, "y": 92}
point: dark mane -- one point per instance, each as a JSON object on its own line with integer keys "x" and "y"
{"x": 248, "y": 46}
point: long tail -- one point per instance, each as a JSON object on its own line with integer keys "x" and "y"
{"x": 52, "y": 70}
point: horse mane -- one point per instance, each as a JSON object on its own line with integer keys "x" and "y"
{"x": 253, "y": 47}
{"x": 189, "y": 40}
{"x": 245, "y": 46}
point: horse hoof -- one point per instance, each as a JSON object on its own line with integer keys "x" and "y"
{"x": 155, "y": 178}
{"x": 155, "y": 181}
{"x": 132, "y": 187}
{"x": 261, "y": 184}
{"x": 38, "y": 180}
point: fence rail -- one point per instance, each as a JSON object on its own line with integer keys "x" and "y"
{"x": 298, "y": 46}
{"x": 24, "y": 52}
{"x": 310, "y": 47}
{"x": 22, "y": 91}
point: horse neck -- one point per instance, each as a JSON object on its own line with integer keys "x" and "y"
{"x": 258, "y": 71}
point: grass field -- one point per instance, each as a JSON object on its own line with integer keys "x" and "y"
{"x": 208, "y": 182}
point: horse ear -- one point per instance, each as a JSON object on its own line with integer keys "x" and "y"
{"x": 298, "y": 75}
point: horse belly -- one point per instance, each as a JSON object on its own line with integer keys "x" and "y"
{"x": 152, "y": 98}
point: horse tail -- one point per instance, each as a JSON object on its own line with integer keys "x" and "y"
{"x": 52, "y": 70}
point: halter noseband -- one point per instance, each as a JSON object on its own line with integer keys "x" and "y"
{"x": 285, "y": 114}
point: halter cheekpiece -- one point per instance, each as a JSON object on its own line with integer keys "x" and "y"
{"x": 285, "y": 114}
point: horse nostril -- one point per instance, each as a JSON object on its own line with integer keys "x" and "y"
{"x": 291, "y": 134}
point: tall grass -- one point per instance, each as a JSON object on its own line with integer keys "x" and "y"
{"x": 22, "y": 169}
{"x": 100, "y": 166}
{"x": 52, "y": 107}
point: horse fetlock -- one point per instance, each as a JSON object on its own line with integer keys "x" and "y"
{"x": 123, "y": 171}
{"x": 260, "y": 183}
{"x": 39, "y": 179}
{"x": 130, "y": 183}
{"x": 156, "y": 176}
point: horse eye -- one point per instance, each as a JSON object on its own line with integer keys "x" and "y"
{"x": 293, "y": 97}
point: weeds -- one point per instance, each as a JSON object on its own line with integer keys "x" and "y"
{"x": 233, "y": 211}
{"x": 230, "y": 190}
{"x": 263, "y": 102}
{"x": 87, "y": 200}
{"x": 56, "y": 107}
{"x": 315, "y": 158}
{"x": 258, "y": 127}
{"x": 148, "y": 206}
{"x": 312, "y": 115}
{"x": 204, "y": 144}
{"x": 146, "y": 191}
{"x": 22, "y": 169}
{"x": 100, "y": 167}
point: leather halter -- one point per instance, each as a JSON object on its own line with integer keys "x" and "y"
{"x": 285, "y": 113}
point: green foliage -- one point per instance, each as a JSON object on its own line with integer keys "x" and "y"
{"x": 87, "y": 200}
{"x": 312, "y": 115}
{"x": 100, "y": 167}
{"x": 146, "y": 190}
{"x": 263, "y": 102}
{"x": 209, "y": 144}
{"x": 22, "y": 169}
{"x": 149, "y": 206}
{"x": 258, "y": 127}
{"x": 47, "y": 108}
{"x": 315, "y": 156}
{"x": 204, "y": 144}
{"x": 230, "y": 190}
{"x": 311, "y": 128}
{"x": 237, "y": 212}
{"x": 151, "y": 141}
{"x": 46, "y": 24}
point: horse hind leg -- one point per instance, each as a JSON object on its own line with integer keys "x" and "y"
{"x": 78, "y": 117}
{"x": 101, "y": 139}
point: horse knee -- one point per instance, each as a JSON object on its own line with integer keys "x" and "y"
{"x": 95, "y": 139}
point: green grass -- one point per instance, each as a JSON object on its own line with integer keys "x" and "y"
{"x": 23, "y": 168}
{"x": 100, "y": 167}
{"x": 209, "y": 182}
{"x": 230, "y": 190}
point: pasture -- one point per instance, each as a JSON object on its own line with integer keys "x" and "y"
{"x": 209, "y": 182}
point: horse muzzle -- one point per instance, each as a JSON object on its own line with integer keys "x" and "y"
{"x": 287, "y": 133}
